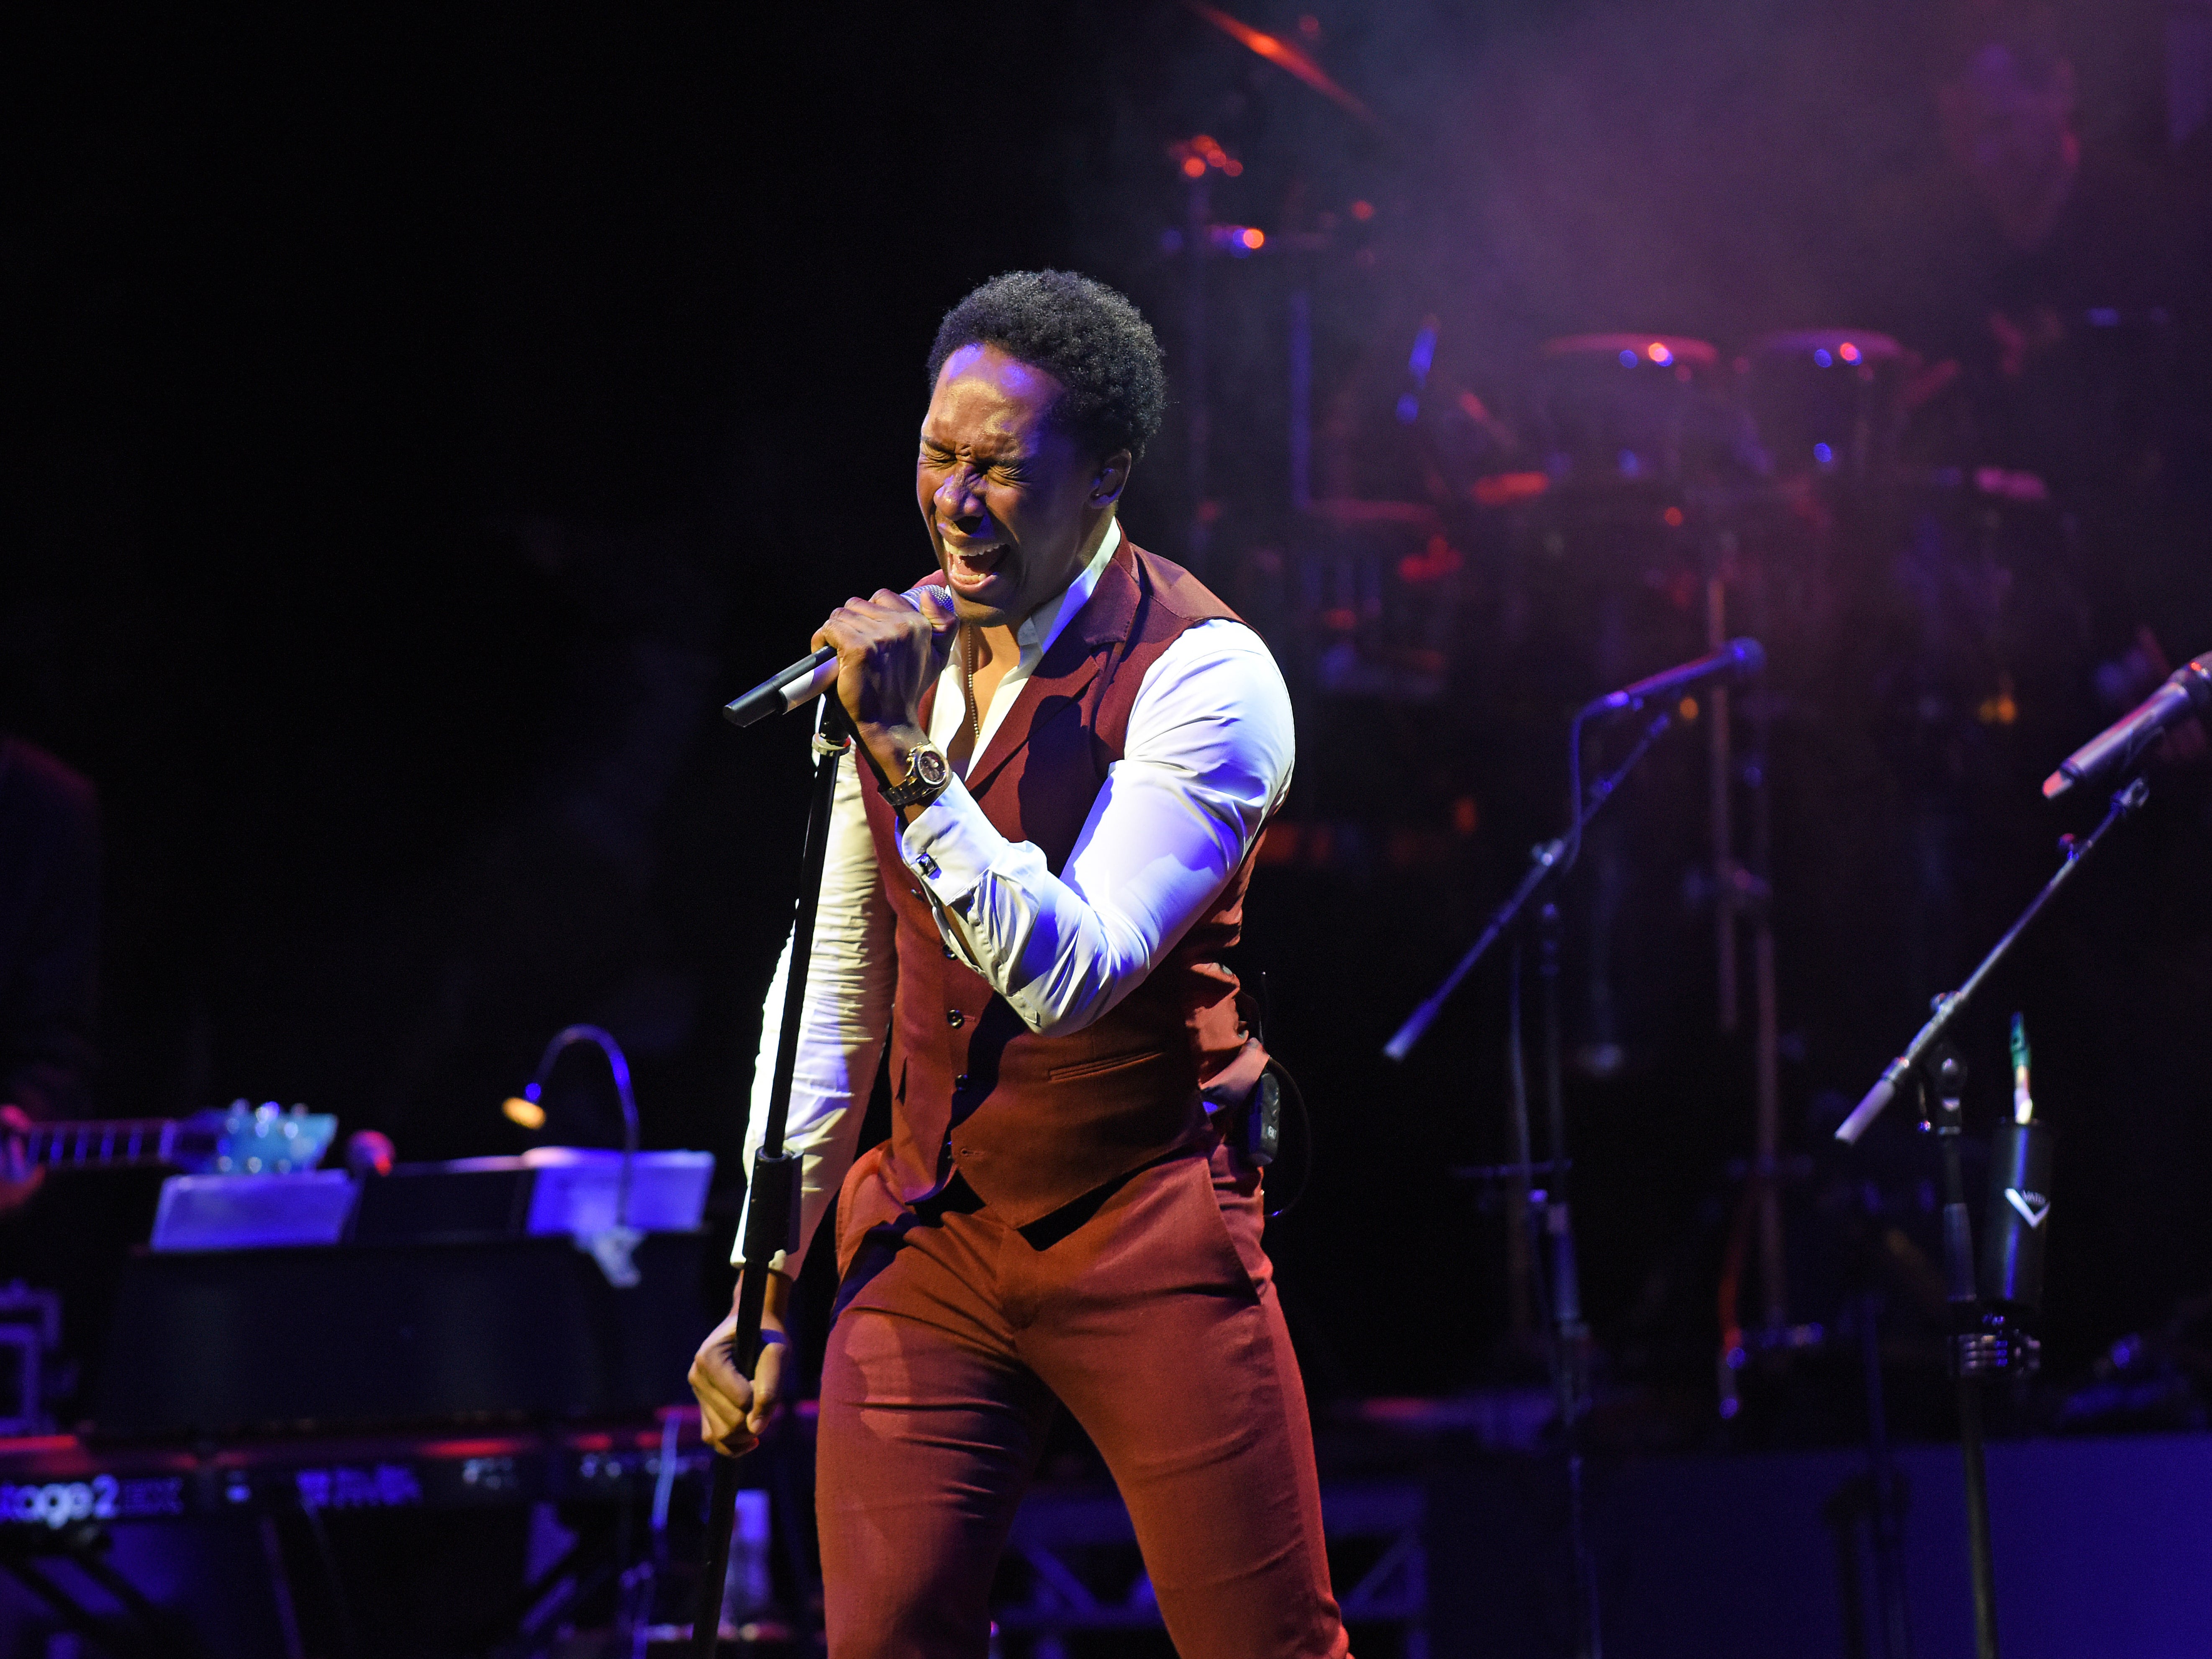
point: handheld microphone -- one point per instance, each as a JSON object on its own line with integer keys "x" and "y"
{"x": 812, "y": 675}
{"x": 1741, "y": 657}
{"x": 2187, "y": 690}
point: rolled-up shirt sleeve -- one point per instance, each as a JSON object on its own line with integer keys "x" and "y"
{"x": 1208, "y": 757}
{"x": 851, "y": 975}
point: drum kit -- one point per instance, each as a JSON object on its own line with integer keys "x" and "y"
{"x": 1635, "y": 500}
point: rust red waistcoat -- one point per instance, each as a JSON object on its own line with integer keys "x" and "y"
{"x": 1034, "y": 1122}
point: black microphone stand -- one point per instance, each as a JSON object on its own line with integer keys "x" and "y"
{"x": 772, "y": 1217}
{"x": 1984, "y": 1344}
{"x": 1550, "y": 1229}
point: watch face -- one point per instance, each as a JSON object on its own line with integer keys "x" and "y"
{"x": 929, "y": 766}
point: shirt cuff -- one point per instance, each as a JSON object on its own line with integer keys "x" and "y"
{"x": 950, "y": 846}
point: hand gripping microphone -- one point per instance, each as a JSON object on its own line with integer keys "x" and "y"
{"x": 1739, "y": 658}
{"x": 2187, "y": 690}
{"x": 812, "y": 675}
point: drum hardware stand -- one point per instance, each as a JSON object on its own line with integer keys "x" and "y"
{"x": 1301, "y": 398}
{"x": 1724, "y": 833}
{"x": 772, "y": 1214}
{"x": 1746, "y": 894}
{"x": 1987, "y": 1341}
{"x": 1198, "y": 453}
{"x": 1550, "y": 1230}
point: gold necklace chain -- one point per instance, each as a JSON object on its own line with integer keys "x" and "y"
{"x": 968, "y": 689}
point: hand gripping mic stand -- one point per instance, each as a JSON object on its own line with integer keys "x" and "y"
{"x": 1986, "y": 1343}
{"x": 772, "y": 1217}
{"x": 1552, "y": 1243}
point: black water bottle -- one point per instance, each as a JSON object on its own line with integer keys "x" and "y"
{"x": 2018, "y": 1216}
{"x": 2018, "y": 1219}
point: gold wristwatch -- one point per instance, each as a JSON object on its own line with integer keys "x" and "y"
{"x": 928, "y": 771}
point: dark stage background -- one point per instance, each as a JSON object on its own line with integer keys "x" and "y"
{"x": 417, "y": 424}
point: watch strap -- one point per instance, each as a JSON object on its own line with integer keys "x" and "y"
{"x": 928, "y": 773}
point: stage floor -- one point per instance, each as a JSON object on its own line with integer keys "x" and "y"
{"x": 2103, "y": 1545}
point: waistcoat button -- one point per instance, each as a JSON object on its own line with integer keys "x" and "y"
{"x": 955, "y": 1018}
{"x": 960, "y": 1082}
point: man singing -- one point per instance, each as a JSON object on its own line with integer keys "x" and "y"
{"x": 1067, "y": 769}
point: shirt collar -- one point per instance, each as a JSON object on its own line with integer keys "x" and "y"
{"x": 1043, "y": 625}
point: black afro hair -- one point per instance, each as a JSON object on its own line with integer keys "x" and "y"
{"x": 1082, "y": 333}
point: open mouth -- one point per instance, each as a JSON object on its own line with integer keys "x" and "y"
{"x": 970, "y": 569}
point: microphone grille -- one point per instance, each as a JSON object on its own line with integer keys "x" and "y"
{"x": 1750, "y": 655}
{"x": 2195, "y": 677}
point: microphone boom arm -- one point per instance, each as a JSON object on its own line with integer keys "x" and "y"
{"x": 1545, "y": 862}
{"x": 1952, "y": 1004}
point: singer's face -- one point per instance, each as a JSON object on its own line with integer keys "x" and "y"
{"x": 1013, "y": 503}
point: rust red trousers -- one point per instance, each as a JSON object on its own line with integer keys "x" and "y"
{"x": 1149, "y": 1311}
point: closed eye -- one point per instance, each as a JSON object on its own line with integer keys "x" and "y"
{"x": 1009, "y": 470}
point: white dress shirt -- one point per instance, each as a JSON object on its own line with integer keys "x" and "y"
{"x": 1207, "y": 759}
